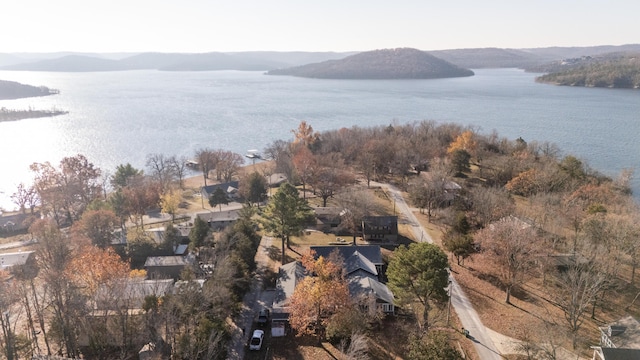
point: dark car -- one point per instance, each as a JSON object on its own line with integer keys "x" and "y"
{"x": 263, "y": 317}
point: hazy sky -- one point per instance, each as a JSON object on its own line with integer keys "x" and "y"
{"x": 306, "y": 25}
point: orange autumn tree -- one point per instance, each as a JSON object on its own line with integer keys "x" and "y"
{"x": 305, "y": 135}
{"x": 318, "y": 296}
{"x": 465, "y": 141}
{"x": 93, "y": 267}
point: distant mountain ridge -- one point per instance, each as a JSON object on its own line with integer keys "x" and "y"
{"x": 530, "y": 59}
{"x": 247, "y": 61}
{"x": 402, "y": 63}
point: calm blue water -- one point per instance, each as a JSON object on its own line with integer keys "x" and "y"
{"x": 120, "y": 117}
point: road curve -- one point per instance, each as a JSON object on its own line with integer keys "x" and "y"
{"x": 468, "y": 316}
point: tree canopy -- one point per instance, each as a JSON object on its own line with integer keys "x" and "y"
{"x": 419, "y": 274}
{"x": 286, "y": 214}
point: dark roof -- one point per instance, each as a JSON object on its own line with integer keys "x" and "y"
{"x": 624, "y": 333}
{"x": 381, "y": 220}
{"x": 370, "y": 252}
{"x": 357, "y": 261}
{"x": 210, "y": 189}
{"x": 620, "y": 354}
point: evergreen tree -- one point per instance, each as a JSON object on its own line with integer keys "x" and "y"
{"x": 286, "y": 214}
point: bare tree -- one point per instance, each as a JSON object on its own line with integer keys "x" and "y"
{"x": 579, "y": 286}
{"x": 179, "y": 168}
{"x": 207, "y": 161}
{"x": 511, "y": 244}
{"x": 67, "y": 190}
{"x": 491, "y": 204}
{"x": 330, "y": 177}
{"x": 25, "y": 196}
{"x": 160, "y": 169}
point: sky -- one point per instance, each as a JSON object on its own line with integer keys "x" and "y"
{"x": 196, "y": 26}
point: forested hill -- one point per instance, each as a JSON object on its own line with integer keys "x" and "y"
{"x": 620, "y": 72}
{"x": 404, "y": 63}
{"x": 15, "y": 90}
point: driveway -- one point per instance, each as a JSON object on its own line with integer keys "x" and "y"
{"x": 469, "y": 318}
{"x": 254, "y": 300}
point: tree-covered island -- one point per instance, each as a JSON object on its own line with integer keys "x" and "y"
{"x": 403, "y": 63}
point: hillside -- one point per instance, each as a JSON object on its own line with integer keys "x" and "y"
{"x": 477, "y": 58}
{"x": 404, "y": 63}
{"x": 488, "y": 58}
{"x": 246, "y": 61}
{"x": 14, "y": 90}
{"x": 618, "y": 72}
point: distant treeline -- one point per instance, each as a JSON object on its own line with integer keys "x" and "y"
{"x": 14, "y": 90}
{"x": 621, "y": 72}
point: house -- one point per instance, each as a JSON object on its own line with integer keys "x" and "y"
{"x": 357, "y": 258}
{"x": 229, "y": 188}
{"x": 14, "y": 222}
{"x": 10, "y": 260}
{"x": 364, "y": 269}
{"x": 158, "y": 234}
{"x": 450, "y": 189}
{"x": 370, "y": 292}
{"x": 602, "y": 353}
{"x": 289, "y": 275}
{"x": 275, "y": 180}
{"x": 327, "y": 218}
{"x": 130, "y": 293}
{"x": 380, "y": 228}
{"x": 219, "y": 220}
{"x": 167, "y": 267}
{"x": 622, "y": 334}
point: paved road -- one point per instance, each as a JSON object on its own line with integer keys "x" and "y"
{"x": 469, "y": 318}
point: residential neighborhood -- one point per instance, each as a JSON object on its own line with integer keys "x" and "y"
{"x": 326, "y": 260}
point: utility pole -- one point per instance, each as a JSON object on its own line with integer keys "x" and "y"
{"x": 449, "y": 303}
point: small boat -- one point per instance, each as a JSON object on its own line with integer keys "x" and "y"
{"x": 253, "y": 154}
{"x": 192, "y": 164}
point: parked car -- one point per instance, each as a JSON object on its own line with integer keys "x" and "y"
{"x": 256, "y": 340}
{"x": 263, "y": 317}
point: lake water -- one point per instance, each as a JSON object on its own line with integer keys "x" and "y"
{"x": 120, "y": 117}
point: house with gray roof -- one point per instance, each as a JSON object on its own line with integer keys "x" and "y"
{"x": 229, "y": 188}
{"x": 355, "y": 257}
{"x": 370, "y": 292}
{"x": 130, "y": 293}
{"x": 9, "y": 260}
{"x": 167, "y": 267}
{"x": 363, "y": 266}
{"x": 622, "y": 334}
{"x": 601, "y": 353}
{"x": 219, "y": 220}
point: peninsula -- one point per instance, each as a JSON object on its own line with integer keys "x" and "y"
{"x": 10, "y": 90}
{"x": 610, "y": 72}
